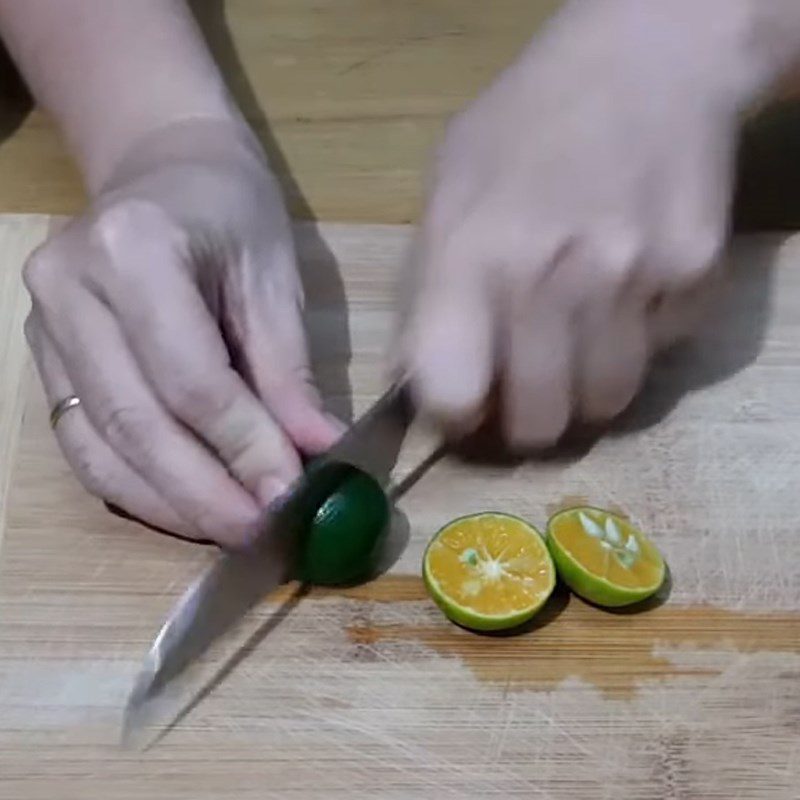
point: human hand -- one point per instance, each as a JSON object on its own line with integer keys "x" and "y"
{"x": 172, "y": 309}
{"x": 577, "y": 212}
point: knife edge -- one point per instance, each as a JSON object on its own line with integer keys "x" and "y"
{"x": 239, "y": 580}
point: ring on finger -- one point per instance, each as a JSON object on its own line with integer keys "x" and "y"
{"x": 62, "y": 407}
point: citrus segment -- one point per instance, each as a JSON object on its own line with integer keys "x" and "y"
{"x": 489, "y": 571}
{"x": 604, "y": 558}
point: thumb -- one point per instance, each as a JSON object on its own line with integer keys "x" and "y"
{"x": 273, "y": 343}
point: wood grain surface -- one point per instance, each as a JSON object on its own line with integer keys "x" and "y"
{"x": 347, "y": 95}
{"x": 350, "y": 96}
{"x": 369, "y": 692}
{"x": 18, "y": 236}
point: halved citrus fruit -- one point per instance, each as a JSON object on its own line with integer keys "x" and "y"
{"x": 603, "y": 558}
{"x": 488, "y": 571}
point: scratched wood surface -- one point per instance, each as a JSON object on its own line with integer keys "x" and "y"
{"x": 370, "y": 693}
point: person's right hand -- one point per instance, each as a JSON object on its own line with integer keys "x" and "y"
{"x": 577, "y": 211}
{"x": 172, "y": 309}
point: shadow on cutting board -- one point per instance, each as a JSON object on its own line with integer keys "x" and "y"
{"x": 326, "y": 304}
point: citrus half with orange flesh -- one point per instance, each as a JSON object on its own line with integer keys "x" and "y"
{"x": 603, "y": 558}
{"x": 489, "y": 571}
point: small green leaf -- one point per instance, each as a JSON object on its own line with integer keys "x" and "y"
{"x": 625, "y": 558}
{"x": 632, "y": 545}
{"x": 613, "y": 533}
{"x": 590, "y": 526}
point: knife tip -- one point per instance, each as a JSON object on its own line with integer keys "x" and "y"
{"x": 132, "y": 734}
{"x": 140, "y": 716}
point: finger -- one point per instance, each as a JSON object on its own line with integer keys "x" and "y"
{"x": 273, "y": 341}
{"x": 538, "y": 372}
{"x": 673, "y": 317}
{"x": 122, "y": 408}
{"x": 449, "y": 339}
{"x": 694, "y": 219}
{"x": 182, "y": 353}
{"x": 613, "y": 354}
{"x": 99, "y": 469}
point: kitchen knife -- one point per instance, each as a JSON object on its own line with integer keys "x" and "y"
{"x": 239, "y": 580}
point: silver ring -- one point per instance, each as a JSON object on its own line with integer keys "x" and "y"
{"x": 61, "y": 408}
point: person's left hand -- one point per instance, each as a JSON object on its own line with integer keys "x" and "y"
{"x": 172, "y": 309}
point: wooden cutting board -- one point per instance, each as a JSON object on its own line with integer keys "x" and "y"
{"x": 370, "y": 693}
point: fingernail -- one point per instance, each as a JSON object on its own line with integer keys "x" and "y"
{"x": 269, "y": 489}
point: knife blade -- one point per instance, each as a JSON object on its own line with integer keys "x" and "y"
{"x": 239, "y": 580}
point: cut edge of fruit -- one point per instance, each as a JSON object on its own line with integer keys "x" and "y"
{"x": 463, "y": 614}
{"x": 469, "y": 611}
{"x": 648, "y": 590}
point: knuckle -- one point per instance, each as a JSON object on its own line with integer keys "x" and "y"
{"x": 39, "y": 272}
{"x": 618, "y": 255}
{"x": 119, "y": 220}
{"x": 134, "y": 234}
{"x": 200, "y": 400}
{"x": 111, "y": 223}
{"x": 128, "y": 429}
{"x": 695, "y": 255}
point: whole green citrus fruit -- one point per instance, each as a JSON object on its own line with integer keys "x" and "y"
{"x": 345, "y": 536}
